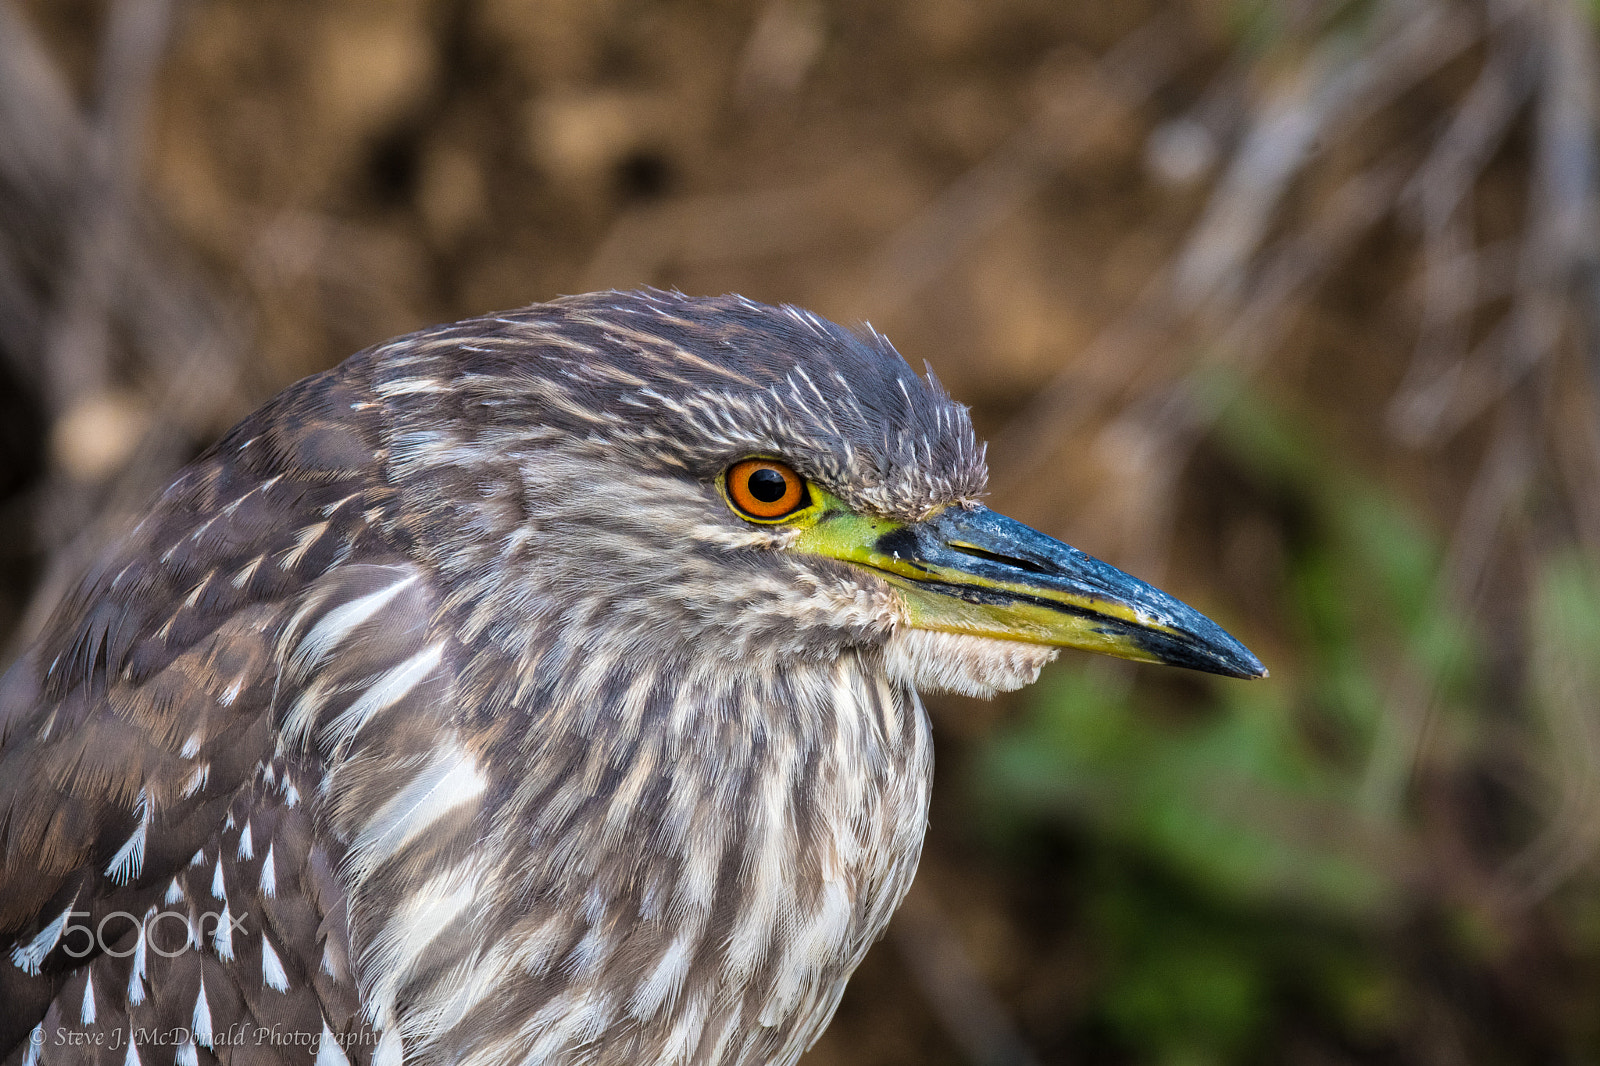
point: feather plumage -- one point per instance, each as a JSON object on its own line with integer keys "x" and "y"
{"x": 447, "y": 684}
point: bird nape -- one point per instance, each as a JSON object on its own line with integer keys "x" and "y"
{"x": 538, "y": 689}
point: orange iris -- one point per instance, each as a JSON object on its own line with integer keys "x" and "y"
{"x": 765, "y": 490}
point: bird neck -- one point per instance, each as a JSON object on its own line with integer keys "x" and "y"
{"x": 640, "y": 828}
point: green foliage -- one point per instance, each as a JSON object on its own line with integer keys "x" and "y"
{"x": 1233, "y": 802}
{"x": 1566, "y": 632}
{"x": 1194, "y": 991}
{"x": 1281, "y": 860}
{"x": 1259, "y": 25}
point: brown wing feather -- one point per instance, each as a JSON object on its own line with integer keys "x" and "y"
{"x": 140, "y": 780}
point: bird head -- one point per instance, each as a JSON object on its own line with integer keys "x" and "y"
{"x": 723, "y": 482}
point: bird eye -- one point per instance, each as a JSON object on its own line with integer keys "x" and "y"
{"x": 765, "y": 490}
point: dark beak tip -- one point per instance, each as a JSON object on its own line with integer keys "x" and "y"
{"x": 1205, "y": 648}
{"x": 1248, "y": 670}
{"x": 1240, "y": 660}
{"x": 1242, "y": 663}
{"x": 1255, "y": 673}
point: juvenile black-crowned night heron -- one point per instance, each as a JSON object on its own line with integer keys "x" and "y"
{"x": 536, "y": 689}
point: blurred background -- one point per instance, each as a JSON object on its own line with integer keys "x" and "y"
{"x": 1290, "y": 307}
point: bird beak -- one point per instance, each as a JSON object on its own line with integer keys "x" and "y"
{"x": 971, "y": 570}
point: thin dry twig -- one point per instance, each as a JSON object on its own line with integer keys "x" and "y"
{"x": 978, "y": 201}
{"x": 1211, "y": 276}
{"x": 98, "y": 303}
{"x": 1338, "y": 86}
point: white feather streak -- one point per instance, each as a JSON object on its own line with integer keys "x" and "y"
{"x": 329, "y": 1053}
{"x": 272, "y": 973}
{"x": 136, "y": 975}
{"x": 661, "y": 988}
{"x": 339, "y": 622}
{"x": 385, "y": 692}
{"x": 406, "y": 937}
{"x": 27, "y": 957}
{"x": 222, "y": 935}
{"x": 129, "y": 859}
{"x": 202, "y": 1017}
{"x": 452, "y": 780}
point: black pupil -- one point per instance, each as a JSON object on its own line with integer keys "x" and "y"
{"x": 767, "y": 485}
